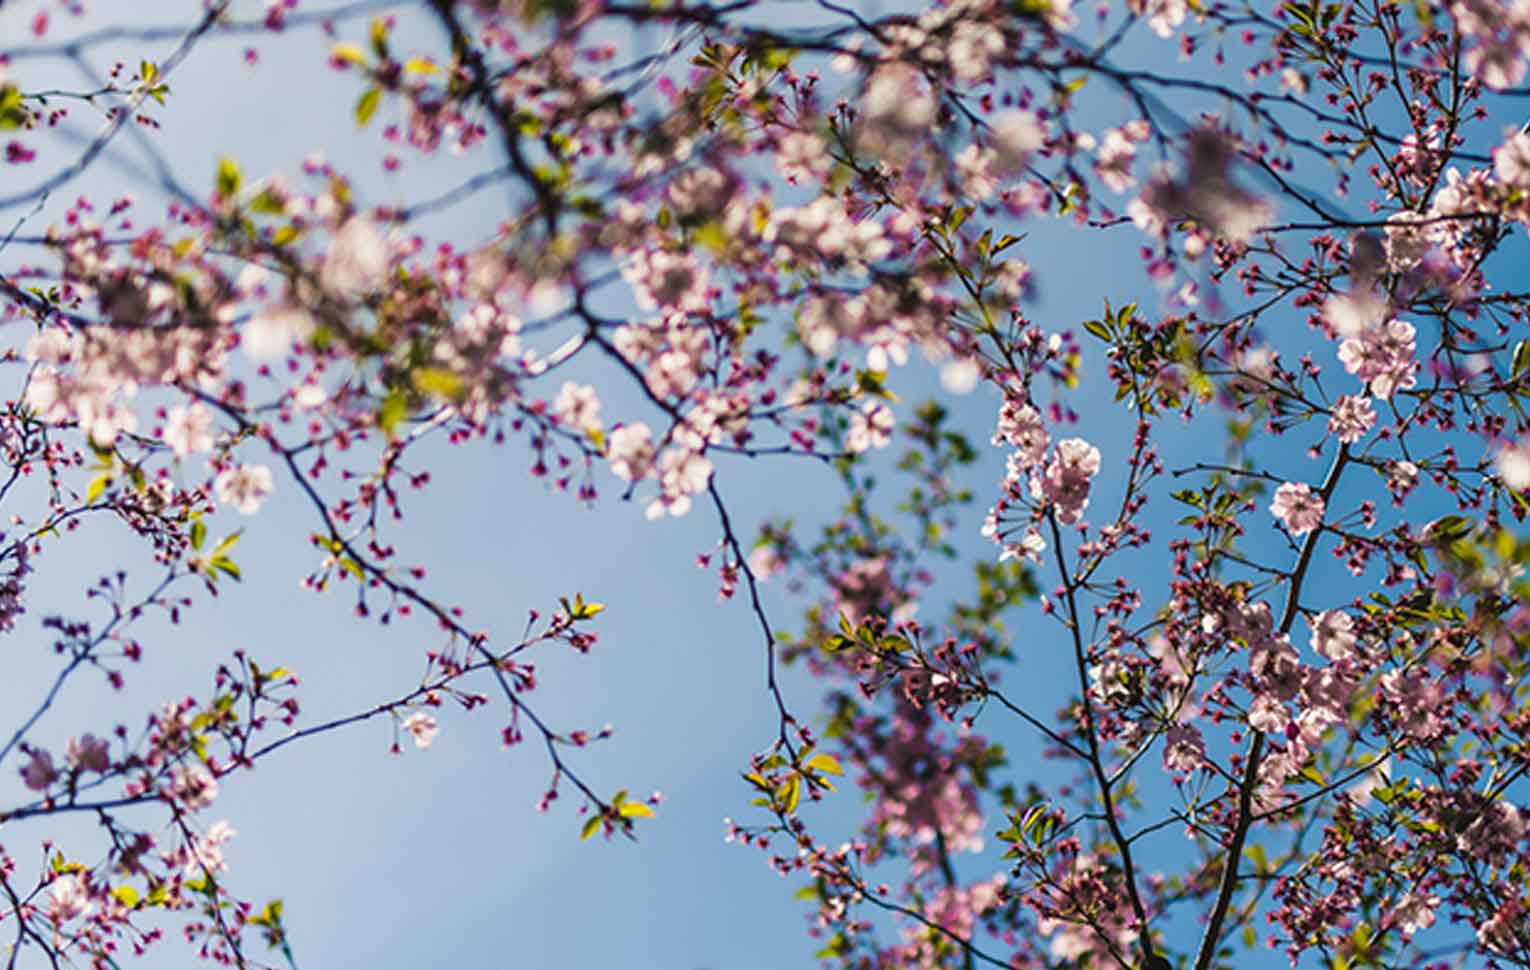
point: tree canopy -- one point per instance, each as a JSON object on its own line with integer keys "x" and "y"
{"x": 1188, "y": 633}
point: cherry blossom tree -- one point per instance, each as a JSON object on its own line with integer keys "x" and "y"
{"x": 1279, "y": 577}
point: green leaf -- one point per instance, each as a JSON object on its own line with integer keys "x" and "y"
{"x": 98, "y": 485}
{"x": 198, "y": 534}
{"x": 379, "y": 37}
{"x": 439, "y": 382}
{"x": 591, "y": 826}
{"x": 636, "y": 810}
{"x": 126, "y": 895}
{"x": 825, "y": 764}
{"x": 394, "y": 409}
{"x": 789, "y": 794}
{"x": 366, "y": 105}
{"x": 13, "y": 113}
{"x": 229, "y": 178}
{"x": 271, "y": 916}
{"x": 349, "y": 53}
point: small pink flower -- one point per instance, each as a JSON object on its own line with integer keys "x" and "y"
{"x": 245, "y": 487}
{"x": 1415, "y": 912}
{"x": 194, "y": 786}
{"x": 1332, "y": 635}
{"x": 423, "y": 727}
{"x": 69, "y": 898}
{"x": 765, "y": 562}
{"x": 630, "y": 451}
{"x": 577, "y": 406}
{"x": 88, "y": 753}
{"x": 1514, "y": 465}
{"x": 1184, "y": 748}
{"x": 1066, "y": 484}
{"x": 1352, "y": 418}
{"x": 358, "y": 258}
{"x": 189, "y": 430}
{"x": 1267, "y": 714}
{"x": 39, "y": 772}
{"x": 870, "y": 427}
{"x": 1298, "y": 509}
{"x": 1382, "y": 356}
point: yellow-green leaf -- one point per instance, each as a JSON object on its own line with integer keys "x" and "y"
{"x": 126, "y": 895}
{"x": 395, "y": 407}
{"x": 366, "y": 105}
{"x": 349, "y": 53}
{"x": 229, "y": 178}
{"x": 438, "y": 381}
{"x": 825, "y": 764}
{"x": 97, "y": 486}
{"x": 790, "y": 794}
{"x": 590, "y": 827}
{"x": 380, "y": 36}
{"x": 636, "y": 810}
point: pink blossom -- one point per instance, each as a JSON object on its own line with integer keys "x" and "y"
{"x": 870, "y": 427}
{"x": 189, "y": 430}
{"x": 1020, "y": 425}
{"x": 193, "y": 785}
{"x": 422, "y": 727}
{"x": 683, "y": 472}
{"x": 88, "y": 753}
{"x": 1068, "y": 475}
{"x": 273, "y": 330}
{"x": 1382, "y": 356}
{"x": 630, "y": 451}
{"x": 1511, "y": 161}
{"x": 974, "y": 45}
{"x": 69, "y": 898}
{"x": 1017, "y": 135}
{"x": 1268, "y": 714}
{"x": 1114, "y": 160}
{"x": 577, "y": 406}
{"x": 765, "y": 562}
{"x": 358, "y": 258}
{"x": 1415, "y": 912}
{"x": 1352, "y": 418}
{"x": 802, "y": 155}
{"x": 1402, "y": 476}
{"x": 1333, "y": 636}
{"x": 1513, "y": 463}
{"x": 1163, "y": 15}
{"x": 662, "y": 279}
{"x": 975, "y": 168}
{"x": 206, "y": 853}
{"x": 1298, "y": 509}
{"x": 245, "y": 487}
{"x": 1184, "y": 748}
{"x": 39, "y": 773}
{"x": 899, "y": 109}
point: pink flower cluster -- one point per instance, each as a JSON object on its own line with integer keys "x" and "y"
{"x": 1382, "y": 357}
